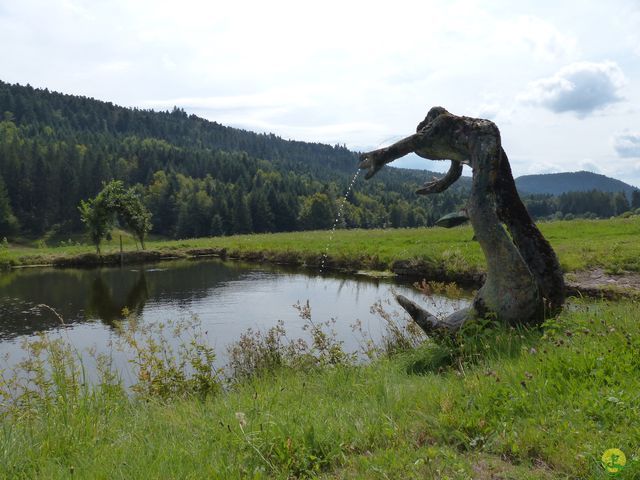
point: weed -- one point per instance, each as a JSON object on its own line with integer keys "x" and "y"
{"x": 450, "y": 290}
{"x": 258, "y": 353}
{"x": 171, "y": 359}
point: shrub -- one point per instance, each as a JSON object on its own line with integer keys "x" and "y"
{"x": 171, "y": 359}
{"x": 259, "y": 353}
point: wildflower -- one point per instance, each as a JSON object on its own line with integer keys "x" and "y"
{"x": 242, "y": 419}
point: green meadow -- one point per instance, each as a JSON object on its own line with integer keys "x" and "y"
{"x": 491, "y": 403}
{"x": 580, "y": 244}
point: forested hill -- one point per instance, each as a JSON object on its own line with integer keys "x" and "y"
{"x": 71, "y": 114}
{"x": 558, "y": 183}
{"x": 196, "y": 176}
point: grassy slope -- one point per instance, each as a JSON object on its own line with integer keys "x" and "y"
{"x": 532, "y": 406}
{"x": 612, "y": 244}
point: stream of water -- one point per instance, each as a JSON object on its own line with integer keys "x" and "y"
{"x": 337, "y": 219}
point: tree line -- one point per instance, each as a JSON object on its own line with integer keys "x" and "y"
{"x": 197, "y": 177}
{"x": 587, "y": 204}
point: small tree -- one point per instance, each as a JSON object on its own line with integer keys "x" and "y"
{"x": 99, "y": 213}
{"x": 98, "y": 218}
{"x": 134, "y": 214}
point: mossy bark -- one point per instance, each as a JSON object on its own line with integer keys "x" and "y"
{"x": 523, "y": 272}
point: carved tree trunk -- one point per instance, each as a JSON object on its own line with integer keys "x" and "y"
{"x": 535, "y": 249}
{"x": 523, "y": 272}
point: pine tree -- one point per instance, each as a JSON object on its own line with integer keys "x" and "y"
{"x": 241, "y": 221}
{"x": 8, "y": 222}
{"x": 261, "y": 214}
{"x": 217, "y": 228}
{"x": 635, "y": 199}
{"x": 620, "y": 203}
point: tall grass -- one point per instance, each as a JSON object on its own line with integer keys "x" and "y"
{"x": 491, "y": 403}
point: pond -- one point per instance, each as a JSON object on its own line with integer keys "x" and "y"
{"x": 226, "y": 297}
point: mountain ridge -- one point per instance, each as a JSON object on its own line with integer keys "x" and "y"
{"x": 564, "y": 182}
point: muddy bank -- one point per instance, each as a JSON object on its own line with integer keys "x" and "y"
{"x": 438, "y": 272}
{"x": 591, "y": 283}
{"x": 597, "y": 282}
{"x": 291, "y": 258}
{"x": 127, "y": 258}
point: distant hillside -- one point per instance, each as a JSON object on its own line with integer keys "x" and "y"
{"x": 197, "y": 177}
{"x": 558, "y": 183}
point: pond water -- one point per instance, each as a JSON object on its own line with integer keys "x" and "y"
{"x": 227, "y": 298}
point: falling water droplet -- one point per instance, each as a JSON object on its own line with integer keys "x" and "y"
{"x": 337, "y": 220}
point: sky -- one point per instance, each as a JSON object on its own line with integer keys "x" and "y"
{"x": 561, "y": 79}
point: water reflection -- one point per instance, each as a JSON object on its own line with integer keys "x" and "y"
{"x": 86, "y": 295}
{"x": 227, "y": 297}
{"x": 103, "y": 304}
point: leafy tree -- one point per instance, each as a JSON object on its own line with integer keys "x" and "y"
{"x": 317, "y": 212}
{"x": 134, "y": 214}
{"x": 195, "y": 214}
{"x": 98, "y": 219}
{"x": 399, "y": 214}
{"x": 99, "y": 213}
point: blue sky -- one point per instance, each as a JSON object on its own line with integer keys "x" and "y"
{"x": 560, "y": 79}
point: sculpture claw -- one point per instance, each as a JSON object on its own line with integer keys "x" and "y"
{"x": 370, "y": 161}
{"x": 429, "y": 323}
{"x": 437, "y": 185}
{"x": 424, "y": 319}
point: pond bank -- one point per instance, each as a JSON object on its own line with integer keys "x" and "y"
{"x": 592, "y": 282}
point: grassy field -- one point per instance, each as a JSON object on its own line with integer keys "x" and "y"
{"x": 581, "y": 244}
{"x": 500, "y": 404}
{"x": 494, "y": 403}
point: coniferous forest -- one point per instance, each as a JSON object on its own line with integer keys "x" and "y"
{"x": 197, "y": 177}
{"x": 200, "y": 178}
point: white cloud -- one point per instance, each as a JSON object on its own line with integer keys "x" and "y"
{"x": 541, "y": 38}
{"x": 632, "y": 22}
{"x": 349, "y": 72}
{"x": 581, "y": 88}
{"x": 488, "y": 110}
{"x": 627, "y": 144}
{"x": 589, "y": 166}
